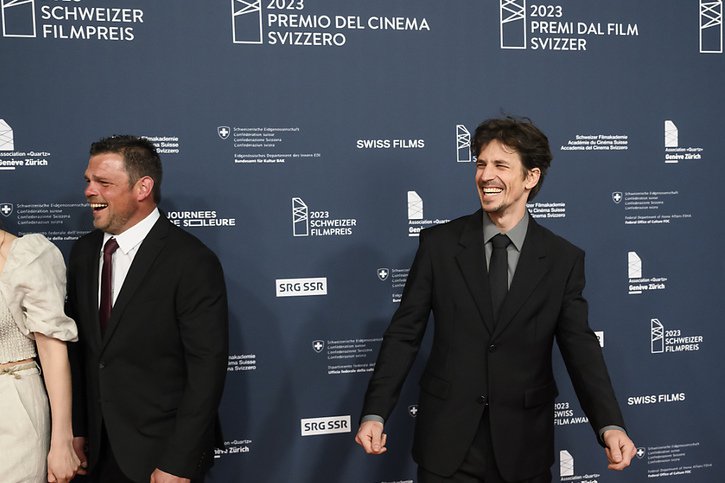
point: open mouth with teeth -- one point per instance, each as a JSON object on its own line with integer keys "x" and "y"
{"x": 491, "y": 191}
{"x": 98, "y": 206}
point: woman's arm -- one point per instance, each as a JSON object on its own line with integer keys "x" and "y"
{"x": 62, "y": 460}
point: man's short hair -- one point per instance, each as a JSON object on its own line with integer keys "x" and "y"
{"x": 519, "y": 134}
{"x": 139, "y": 156}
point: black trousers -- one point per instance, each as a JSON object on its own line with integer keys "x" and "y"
{"x": 107, "y": 469}
{"x": 479, "y": 466}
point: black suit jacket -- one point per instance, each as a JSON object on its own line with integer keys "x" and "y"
{"x": 476, "y": 364}
{"x": 156, "y": 376}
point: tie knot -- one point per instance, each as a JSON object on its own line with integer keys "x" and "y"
{"x": 110, "y": 246}
{"x": 500, "y": 241}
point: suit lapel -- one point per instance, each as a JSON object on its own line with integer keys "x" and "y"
{"x": 530, "y": 270}
{"x": 148, "y": 252}
{"x": 472, "y": 263}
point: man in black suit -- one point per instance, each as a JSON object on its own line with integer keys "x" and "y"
{"x": 486, "y": 407}
{"x": 151, "y": 307}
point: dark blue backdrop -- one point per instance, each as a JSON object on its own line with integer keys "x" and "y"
{"x": 307, "y": 141}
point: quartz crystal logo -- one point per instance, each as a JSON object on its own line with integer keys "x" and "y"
{"x": 6, "y": 137}
{"x": 711, "y": 27}
{"x": 318, "y": 345}
{"x": 223, "y": 132}
{"x": 415, "y": 206}
{"x": 657, "y": 337}
{"x": 247, "y": 21}
{"x": 566, "y": 463}
{"x": 634, "y": 265}
{"x": 513, "y": 24}
{"x": 18, "y": 18}
{"x": 300, "y": 218}
{"x": 671, "y": 135}
{"x": 463, "y": 144}
{"x": 674, "y": 152}
{"x": 6, "y": 209}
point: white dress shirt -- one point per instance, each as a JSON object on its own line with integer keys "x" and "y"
{"x": 128, "y": 243}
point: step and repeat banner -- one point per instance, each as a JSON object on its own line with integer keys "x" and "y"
{"x": 308, "y": 142}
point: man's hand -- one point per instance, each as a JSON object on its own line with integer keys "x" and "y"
{"x": 79, "y": 445}
{"x": 159, "y": 476}
{"x": 619, "y": 448}
{"x": 371, "y": 437}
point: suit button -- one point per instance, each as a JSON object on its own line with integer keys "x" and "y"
{"x": 482, "y": 400}
{"x": 101, "y": 365}
{"x": 492, "y": 348}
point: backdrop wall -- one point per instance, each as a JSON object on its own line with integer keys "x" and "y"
{"x": 308, "y": 141}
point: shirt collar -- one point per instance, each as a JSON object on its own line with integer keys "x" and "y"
{"x": 131, "y": 238}
{"x": 517, "y": 234}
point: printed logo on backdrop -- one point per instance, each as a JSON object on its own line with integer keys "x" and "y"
{"x": 674, "y": 153}
{"x": 312, "y": 223}
{"x": 396, "y": 277}
{"x": 300, "y": 287}
{"x": 265, "y": 145}
{"x": 237, "y": 447}
{"x": 241, "y": 362}
{"x": 566, "y": 463}
{"x": 711, "y": 27}
{"x": 21, "y": 19}
{"x": 567, "y": 473}
{"x": 348, "y": 356}
{"x": 566, "y": 414}
{"x": 677, "y": 459}
{"x": 299, "y": 23}
{"x": 672, "y": 341}
{"x": 413, "y": 410}
{"x": 6, "y": 209}
{"x": 200, "y": 219}
{"x": 637, "y": 282}
{"x": 600, "y": 337}
{"x": 550, "y": 28}
{"x": 649, "y": 207}
{"x": 463, "y": 144}
{"x": 12, "y": 158}
{"x": 51, "y": 219}
{"x": 223, "y": 131}
{"x": 601, "y": 142}
{"x": 325, "y": 425}
{"x": 547, "y": 210}
{"x": 390, "y": 143}
{"x": 382, "y": 273}
{"x": 416, "y": 218}
{"x": 165, "y": 144}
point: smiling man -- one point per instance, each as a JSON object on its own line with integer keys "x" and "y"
{"x": 501, "y": 289}
{"x": 150, "y": 303}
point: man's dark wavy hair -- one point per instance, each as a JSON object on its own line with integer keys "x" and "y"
{"x": 519, "y": 134}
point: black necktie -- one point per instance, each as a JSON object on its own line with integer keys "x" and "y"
{"x": 104, "y": 310}
{"x": 498, "y": 272}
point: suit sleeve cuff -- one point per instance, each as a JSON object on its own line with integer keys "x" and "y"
{"x": 607, "y": 428}
{"x": 372, "y": 417}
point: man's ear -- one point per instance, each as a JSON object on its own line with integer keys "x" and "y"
{"x": 144, "y": 187}
{"x": 532, "y": 178}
